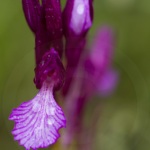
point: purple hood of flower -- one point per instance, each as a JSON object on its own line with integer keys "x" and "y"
{"x": 50, "y": 68}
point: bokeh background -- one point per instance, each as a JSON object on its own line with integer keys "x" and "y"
{"x": 124, "y": 117}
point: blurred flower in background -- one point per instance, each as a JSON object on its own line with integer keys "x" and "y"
{"x": 97, "y": 116}
{"x": 94, "y": 74}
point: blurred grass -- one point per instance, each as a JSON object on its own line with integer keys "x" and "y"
{"x": 124, "y": 120}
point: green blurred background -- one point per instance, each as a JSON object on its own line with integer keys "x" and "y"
{"x": 124, "y": 118}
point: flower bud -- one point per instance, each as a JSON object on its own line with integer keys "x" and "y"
{"x": 31, "y": 9}
{"x": 78, "y": 16}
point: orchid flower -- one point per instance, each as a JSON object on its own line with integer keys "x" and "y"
{"x": 37, "y": 121}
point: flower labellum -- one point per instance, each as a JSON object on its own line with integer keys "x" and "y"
{"x": 37, "y": 121}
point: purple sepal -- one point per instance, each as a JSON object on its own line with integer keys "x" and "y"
{"x": 31, "y": 8}
{"x": 77, "y": 17}
{"x": 53, "y": 17}
{"x": 54, "y": 27}
{"x": 45, "y": 20}
{"x": 37, "y": 121}
{"x": 50, "y": 68}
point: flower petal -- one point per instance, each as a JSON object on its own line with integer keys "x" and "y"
{"x": 37, "y": 121}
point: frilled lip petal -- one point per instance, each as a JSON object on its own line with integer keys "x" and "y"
{"x": 37, "y": 121}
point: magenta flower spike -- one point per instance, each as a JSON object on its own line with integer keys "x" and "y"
{"x": 37, "y": 121}
{"x": 77, "y": 20}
